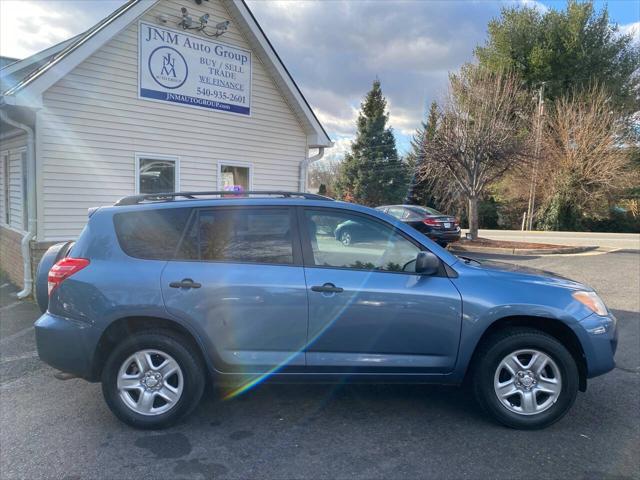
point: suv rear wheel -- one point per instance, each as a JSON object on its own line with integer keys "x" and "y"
{"x": 152, "y": 380}
{"x": 525, "y": 378}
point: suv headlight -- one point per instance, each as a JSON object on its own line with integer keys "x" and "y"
{"x": 592, "y": 301}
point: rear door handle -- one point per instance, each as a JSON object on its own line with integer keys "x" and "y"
{"x": 327, "y": 288}
{"x": 185, "y": 283}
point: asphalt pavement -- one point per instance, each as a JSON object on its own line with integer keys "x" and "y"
{"x": 62, "y": 429}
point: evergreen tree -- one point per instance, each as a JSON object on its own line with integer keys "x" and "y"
{"x": 420, "y": 190}
{"x": 372, "y": 173}
{"x": 568, "y": 49}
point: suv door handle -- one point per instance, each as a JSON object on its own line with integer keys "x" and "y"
{"x": 327, "y": 288}
{"x": 185, "y": 283}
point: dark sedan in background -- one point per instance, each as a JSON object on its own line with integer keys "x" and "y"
{"x": 439, "y": 227}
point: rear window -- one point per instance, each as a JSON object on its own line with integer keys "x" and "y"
{"x": 151, "y": 234}
{"x": 424, "y": 211}
{"x": 397, "y": 212}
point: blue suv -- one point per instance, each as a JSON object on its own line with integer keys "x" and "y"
{"x": 163, "y": 294}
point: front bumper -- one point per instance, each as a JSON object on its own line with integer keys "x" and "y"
{"x": 599, "y": 338}
{"x": 65, "y": 344}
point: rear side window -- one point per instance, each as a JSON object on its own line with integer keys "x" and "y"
{"x": 151, "y": 234}
{"x": 249, "y": 235}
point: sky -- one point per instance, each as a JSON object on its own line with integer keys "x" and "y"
{"x": 334, "y": 49}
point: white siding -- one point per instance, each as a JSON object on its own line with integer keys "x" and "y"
{"x": 93, "y": 124}
{"x": 15, "y": 148}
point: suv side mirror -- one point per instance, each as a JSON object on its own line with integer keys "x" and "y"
{"x": 427, "y": 263}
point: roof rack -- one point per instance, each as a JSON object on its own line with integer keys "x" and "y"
{"x": 170, "y": 196}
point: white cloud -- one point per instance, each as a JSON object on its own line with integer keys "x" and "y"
{"x": 338, "y": 124}
{"x": 632, "y": 29}
{"x": 29, "y": 26}
{"x": 541, "y": 7}
{"x": 336, "y": 49}
{"x": 341, "y": 146}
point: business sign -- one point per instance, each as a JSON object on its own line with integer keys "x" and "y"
{"x": 190, "y": 70}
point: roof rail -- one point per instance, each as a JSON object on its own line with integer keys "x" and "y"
{"x": 170, "y": 196}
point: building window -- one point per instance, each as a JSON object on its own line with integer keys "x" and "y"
{"x": 157, "y": 174}
{"x": 6, "y": 196}
{"x": 234, "y": 177}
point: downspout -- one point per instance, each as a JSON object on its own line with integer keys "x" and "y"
{"x": 31, "y": 203}
{"x": 304, "y": 166}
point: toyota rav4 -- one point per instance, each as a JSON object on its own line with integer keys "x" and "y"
{"x": 162, "y": 294}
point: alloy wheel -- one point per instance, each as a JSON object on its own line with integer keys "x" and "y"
{"x": 527, "y": 382}
{"x": 150, "y": 382}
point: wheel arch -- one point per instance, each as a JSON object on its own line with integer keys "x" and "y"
{"x": 122, "y": 327}
{"x": 556, "y": 328}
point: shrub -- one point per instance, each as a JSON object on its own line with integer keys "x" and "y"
{"x": 617, "y": 222}
{"x": 560, "y": 212}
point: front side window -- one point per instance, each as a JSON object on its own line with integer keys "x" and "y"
{"x": 345, "y": 240}
{"x": 240, "y": 235}
{"x": 156, "y": 175}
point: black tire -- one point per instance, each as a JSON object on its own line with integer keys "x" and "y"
{"x": 193, "y": 376}
{"x": 443, "y": 244}
{"x": 495, "y": 349}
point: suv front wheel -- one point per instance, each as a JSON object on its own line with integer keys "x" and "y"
{"x": 152, "y": 380}
{"x": 525, "y": 378}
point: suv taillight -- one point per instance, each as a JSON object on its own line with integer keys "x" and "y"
{"x": 63, "y": 270}
{"x": 431, "y": 222}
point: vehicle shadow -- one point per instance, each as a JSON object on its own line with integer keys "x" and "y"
{"x": 327, "y": 405}
{"x": 376, "y": 404}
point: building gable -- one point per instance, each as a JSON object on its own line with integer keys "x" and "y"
{"x": 28, "y": 92}
{"x": 94, "y": 128}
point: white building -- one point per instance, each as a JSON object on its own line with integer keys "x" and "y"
{"x": 147, "y": 100}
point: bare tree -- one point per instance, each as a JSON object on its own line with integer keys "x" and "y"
{"x": 446, "y": 195}
{"x": 482, "y": 133}
{"x": 587, "y": 156}
{"x": 325, "y": 172}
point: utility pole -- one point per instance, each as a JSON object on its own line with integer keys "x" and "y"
{"x": 536, "y": 159}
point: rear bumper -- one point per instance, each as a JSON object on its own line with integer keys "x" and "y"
{"x": 444, "y": 236}
{"x": 599, "y": 336}
{"x": 65, "y": 344}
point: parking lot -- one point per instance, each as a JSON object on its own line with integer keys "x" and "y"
{"x": 51, "y": 428}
